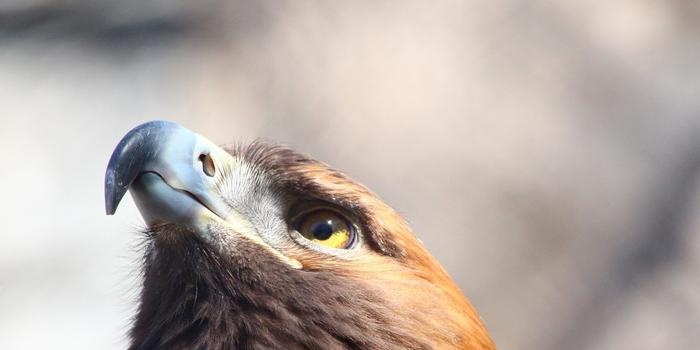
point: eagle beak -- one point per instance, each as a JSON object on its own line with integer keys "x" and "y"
{"x": 171, "y": 173}
{"x": 174, "y": 176}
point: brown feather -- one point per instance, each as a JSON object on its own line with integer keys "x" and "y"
{"x": 397, "y": 296}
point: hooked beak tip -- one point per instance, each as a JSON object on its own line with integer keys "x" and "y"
{"x": 130, "y": 155}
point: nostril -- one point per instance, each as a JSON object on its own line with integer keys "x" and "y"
{"x": 207, "y": 164}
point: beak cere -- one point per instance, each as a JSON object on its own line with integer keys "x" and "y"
{"x": 169, "y": 171}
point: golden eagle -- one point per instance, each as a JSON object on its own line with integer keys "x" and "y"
{"x": 260, "y": 247}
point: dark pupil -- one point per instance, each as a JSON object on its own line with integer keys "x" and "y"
{"x": 322, "y": 230}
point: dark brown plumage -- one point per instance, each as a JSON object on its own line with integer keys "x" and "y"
{"x": 389, "y": 294}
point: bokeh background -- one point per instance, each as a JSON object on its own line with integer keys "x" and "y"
{"x": 548, "y": 153}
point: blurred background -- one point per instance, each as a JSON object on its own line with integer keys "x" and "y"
{"x": 548, "y": 153}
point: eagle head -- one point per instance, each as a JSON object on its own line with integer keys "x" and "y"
{"x": 260, "y": 247}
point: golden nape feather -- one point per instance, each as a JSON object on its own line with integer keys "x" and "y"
{"x": 260, "y": 247}
{"x": 419, "y": 289}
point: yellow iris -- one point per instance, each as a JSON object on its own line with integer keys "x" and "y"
{"x": 326, "y": 228}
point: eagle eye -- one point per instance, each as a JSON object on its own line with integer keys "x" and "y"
{"x": 327, "y": 228}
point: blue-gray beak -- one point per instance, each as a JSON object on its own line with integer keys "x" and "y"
{"x": 174, "y": 176}
{"x": 170, "y": 171}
